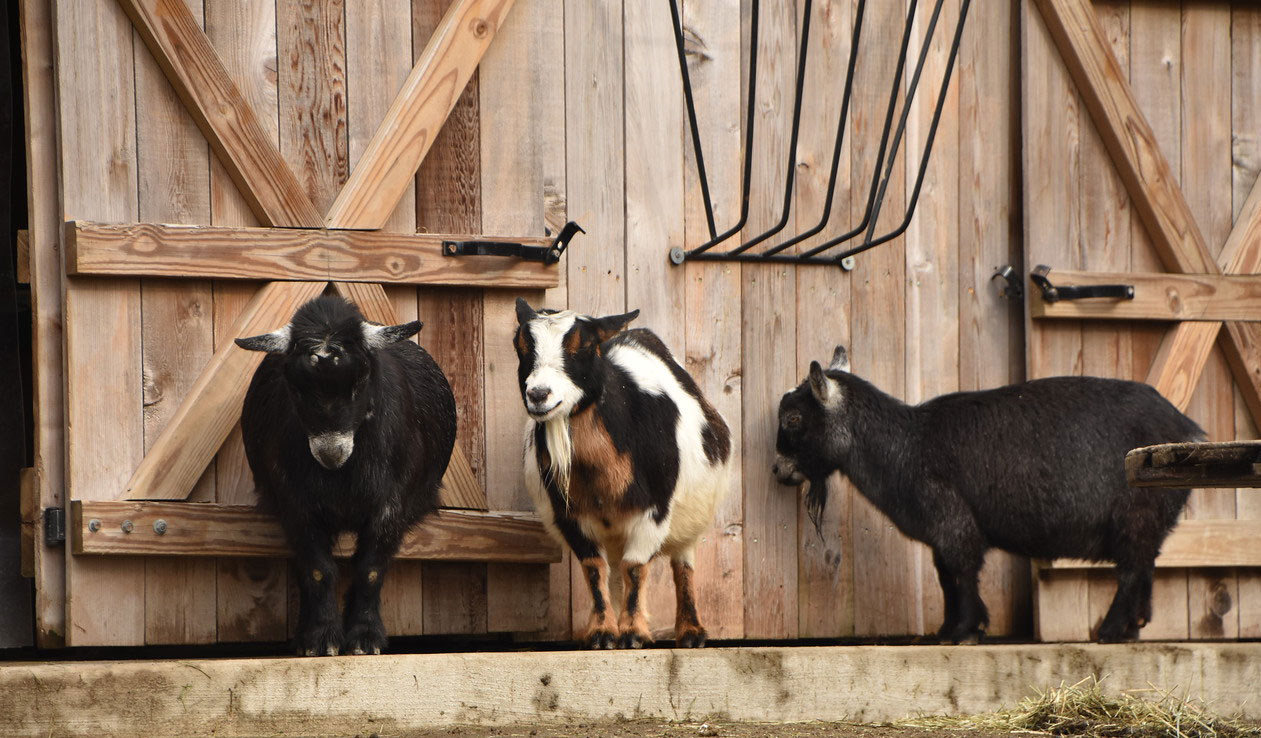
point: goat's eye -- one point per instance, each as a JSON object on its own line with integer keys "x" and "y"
{"x": 313, "y": 359}
{"x": 792, "y": 422}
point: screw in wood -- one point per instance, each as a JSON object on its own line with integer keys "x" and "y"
{"x": 159, "y": 526}
{"x": 94, "y": 525}
{"x": 127, "y": 526}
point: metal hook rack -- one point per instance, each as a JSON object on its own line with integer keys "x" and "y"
{"x": 885, "y": 158}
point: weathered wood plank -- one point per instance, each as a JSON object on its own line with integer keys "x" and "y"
{"x": 1196, "y": 544}
{"x": 430, "y": 92}
{"x": 103, "y": 403}
{"x": 713, "y": 351}
{"x": 220, "y": 252}
{"x": 1167, "y": 297}
{"x": 210, "y": 529}
{"x": 1221, "y": 464}
{"x": 345, "y": 696}
{"x": 229, "y": 123}
{"x": 39, "y": 86}
{"x": 1052, "y": 229}
{"x": 213, "y": 404}
{"x": 173, "y": 167}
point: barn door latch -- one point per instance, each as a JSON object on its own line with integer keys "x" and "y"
{"x": 54, "y": 526}
{"x": 484, "y": 247}
{"x": 1052, "y": 293}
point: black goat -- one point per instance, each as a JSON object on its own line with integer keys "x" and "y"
{"x": 1034, "y": 468}
{"x": 347, "y": 427}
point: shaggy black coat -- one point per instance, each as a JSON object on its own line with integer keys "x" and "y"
{"x": 400, "y": 408}
{"x": 1035, "y": 469}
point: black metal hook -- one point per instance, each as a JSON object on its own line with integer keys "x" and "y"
{"x": 545, "y": 254}
{"x": 1053, "y": 293}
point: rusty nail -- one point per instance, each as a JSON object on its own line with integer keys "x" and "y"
{"x": 159, "y": 526}
{"x": 94, "y": 525}
{"x": 127, "y": 526}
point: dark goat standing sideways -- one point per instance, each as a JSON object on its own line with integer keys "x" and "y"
{"x": 1034, "y": 468}
{"x": 347, "y": 426}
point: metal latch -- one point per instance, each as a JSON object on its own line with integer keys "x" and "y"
{"x": 54, "y": 526}
{"x": 1013, "y": 290}
{"x": 546, "y": 254}
{"x": 1051, "y": 293}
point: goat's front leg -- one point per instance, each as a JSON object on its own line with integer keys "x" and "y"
{"x": 319, "y": 627}
{"x": 365, "y": 633}
{"x": 601, "y": 630}
{"x": 633, "y": 623}
{"x": 688, "y": 632}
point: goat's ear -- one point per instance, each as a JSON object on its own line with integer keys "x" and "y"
{"x": 611, "y": 325}
{"x": 275, "y": 342}
{"x": 525, "y": 313}
{"x": 825, "y": 389}
{"x": 840, "y": 359}
{"x": 380, "y": 336}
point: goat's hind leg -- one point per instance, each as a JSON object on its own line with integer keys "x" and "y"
{"x": 688, "y": 632}
{"x": 1131, "y": 606}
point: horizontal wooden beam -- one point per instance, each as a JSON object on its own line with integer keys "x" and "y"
{"x": 1195, "y": 544}
{"x": 205, "y": 252}
{"x": 201, "y": 80}
{"x": 1222, "y": 464}
{"x": 435, "y": 84}
{"x": 1157, "y": 296}
{"x": 208, "y": 529}
{"x": 553, "y": 690}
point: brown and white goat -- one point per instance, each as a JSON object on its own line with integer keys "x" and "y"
{"x": 624, "y": 458}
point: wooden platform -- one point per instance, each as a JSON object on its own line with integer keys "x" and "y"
{"x": 389, "y": 694}
{"x": 1225, "y": 464}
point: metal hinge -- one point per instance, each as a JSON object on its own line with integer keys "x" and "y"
{"x": 54, "y": 526}
{"x": 1051, "y": 293}
{"x": 546, "y": 254}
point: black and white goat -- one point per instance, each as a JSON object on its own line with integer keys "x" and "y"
{"x": 624, "y": 458}
{"x": 348, "y": 426}
{"x": 1037, "y": 469}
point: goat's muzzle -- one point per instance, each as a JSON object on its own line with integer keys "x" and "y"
{"x": 332, "y": 450}
{"x": 785, "y": 471}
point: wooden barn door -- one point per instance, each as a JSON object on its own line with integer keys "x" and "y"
{"x": 287, "y": 138}
{"x": 1142, "y": 125}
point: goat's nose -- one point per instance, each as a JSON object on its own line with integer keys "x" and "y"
{"x": 775, "y": 469}
{"x": 537, "y": 395}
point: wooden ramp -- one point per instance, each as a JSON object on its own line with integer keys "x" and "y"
{"x": 390, "y": 694}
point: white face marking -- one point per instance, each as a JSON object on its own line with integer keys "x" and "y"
{"x": 548, "y": 373}
{"x": 332, "y": 449}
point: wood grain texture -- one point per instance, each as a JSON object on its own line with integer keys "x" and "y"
{"x": 432, "y": 89}
{"x": 1165, "y": 297}
{"x": 1052, "y": 227}
{"x": 39, "y": 86}
{"x": 713, "y": 352}
{"x": 229, "y": 123}
{"x": 311, "y": 73}
{"x": 212, "y": 405}
{"x": 833, "y": 683}
{"x": 251, "y": 593}
{"x": 1156, "y": 80}
{"x": 104, "y": 418}
{"x": 173, "y": 168}
{"x": 991, "y": 336}
{"x": 212, "y": 529}
{"x": 135, "y": 249}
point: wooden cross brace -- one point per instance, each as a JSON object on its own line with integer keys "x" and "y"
{"x": 212, "y": 406}
{"x": 1158, "y": 200}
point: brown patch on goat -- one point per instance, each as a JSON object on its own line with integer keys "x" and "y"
{"x": 573, "y": 340}
{"x": 601, "y": 631}
{"x": 633, "y": 623}
{"x": 601, "y": 473}
{"x": 521, "y": 347}
{"x": 688, "y": 632}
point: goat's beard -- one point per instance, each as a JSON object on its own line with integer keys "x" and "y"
{"x": 816, "y": 501}
{"x": 560, "y": 449}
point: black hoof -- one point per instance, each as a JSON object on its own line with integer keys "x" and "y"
{"x": 601, "y": 639}
{"x": 320, "y": 640}
{"x": 364, "y": 638}
{"x": 692, "y": 639}
{"x": 632, "y": 639}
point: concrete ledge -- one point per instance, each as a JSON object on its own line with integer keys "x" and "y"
{"x": 389, "y": 694}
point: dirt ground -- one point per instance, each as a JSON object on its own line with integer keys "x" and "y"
{"x": 662, "y": 729}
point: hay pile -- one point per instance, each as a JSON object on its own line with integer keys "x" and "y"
{"x": 1084, "y": 710}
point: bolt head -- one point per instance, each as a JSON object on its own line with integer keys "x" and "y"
{"x": 94, "y": 525}
{"x": 677, "y": 256}
{"x": 127, "y": 526}
{"x": 159, "y": 526}
{"x": 848, "y": 263}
